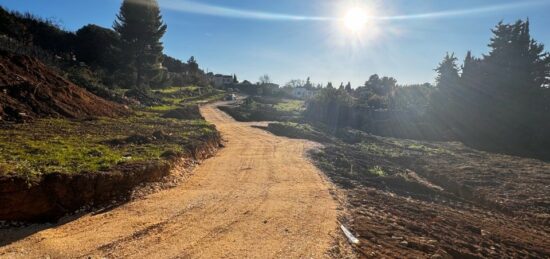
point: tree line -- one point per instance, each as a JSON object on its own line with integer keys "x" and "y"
{"x": 130, "y": 55}
{"x": 499, "y": 101}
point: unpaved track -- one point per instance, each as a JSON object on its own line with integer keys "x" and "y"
{"x": 258, "y": 197}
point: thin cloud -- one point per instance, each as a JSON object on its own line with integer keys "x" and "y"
{"x": 206, "y": 9}
{"x": 465, "y": 12}
{"x": 221, "y": 11}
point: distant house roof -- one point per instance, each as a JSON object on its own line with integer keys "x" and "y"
{"x": 224, "y": 76}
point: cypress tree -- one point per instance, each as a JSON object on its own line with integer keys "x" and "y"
{"x": 348, "y": 87}
{"x": 445, "y": 101}
{"x": 447, "y": 73}
{"x": 140, "y": 26}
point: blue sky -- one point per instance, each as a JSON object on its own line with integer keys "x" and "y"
{"x": 290, "y": 39}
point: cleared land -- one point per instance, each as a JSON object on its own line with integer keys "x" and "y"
{"x": 259, "y": 197}
{"x": 420, "y": 199}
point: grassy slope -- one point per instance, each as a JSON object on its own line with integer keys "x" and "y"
{"x": 175, "y": 97}
{"x": 266, "y": 109}
{"x": 68, "y": 146}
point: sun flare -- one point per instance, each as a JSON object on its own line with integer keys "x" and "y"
{"x": 355, "y": 20}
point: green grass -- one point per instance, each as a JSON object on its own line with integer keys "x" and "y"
{"x": 63, "y": 146}
{"x": 290, "y": 106}
{"x": 380, "y": 150}
{"x": 162, "y": 108}
{"x": 267, "y": 109}
{"x": 67, "y": 146}
{"x": 171, "y": 90}
{"x": 377, "y": 171}
{"x": 176, "y": 97}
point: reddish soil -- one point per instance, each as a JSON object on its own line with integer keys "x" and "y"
{"x": 443, "y": 200}
{"x": 30, "y": 89}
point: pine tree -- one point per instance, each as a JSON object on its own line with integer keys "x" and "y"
{"x": 468, "y": 67}
{"x": 447, "y": 73}
{"x": 193, "y": 65}
{"x": 140, "y": 26}
{"x": 235, "y": 79}
{"x": 445, "y": 102}
{"x": 516, "y": 61}
{"x": 308, "y": 84}
{"x": 348, "y": 87}
{"x": 516, "y": 69}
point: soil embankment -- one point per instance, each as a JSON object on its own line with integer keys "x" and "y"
{"x": 54, "y": 195}
{"x": 258, "y": 197}
{"x": 30, "y": 89}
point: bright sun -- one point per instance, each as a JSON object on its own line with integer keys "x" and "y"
{"x": 355, "y": 20}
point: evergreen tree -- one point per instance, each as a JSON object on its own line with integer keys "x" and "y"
{"x": 471, "y": 95}
{"x": 348, "y": 87}
{"x": 499, "y": 101}
{"x": 329, "y": 85}
{"x": 376, "y": 92}
{"x": 470, "y": 69}
{"x": 447, "y": 73}
{"x": 235, "y": 79}
{"x": 308, "y": 85}
{"x": 516, "y": 68}
{"x": 194, "y": 71}
{"x": 97, "y": 47}
{"x": 193, "y": 65}
{"x": 446, "y": 100}
{"x": 516, "y": 61}
{"x": 140, "y": 26}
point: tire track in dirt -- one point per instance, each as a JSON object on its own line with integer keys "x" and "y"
{"x": 259, "y": 197}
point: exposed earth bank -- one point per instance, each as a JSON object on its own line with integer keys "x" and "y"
{"x": 30, "y": 89}
{"x": 54, "y": 195}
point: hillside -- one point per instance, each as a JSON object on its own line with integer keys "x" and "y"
{"x": 30, "y": 89}
{"x": 77, "y": 149}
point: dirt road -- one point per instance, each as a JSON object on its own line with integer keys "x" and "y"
{"x": 258, "y": 197}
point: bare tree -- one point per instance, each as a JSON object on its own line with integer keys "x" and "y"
{"x": 265, "y": 79}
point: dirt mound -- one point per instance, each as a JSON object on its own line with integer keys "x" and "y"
{"x": 30, "y": 89}
{"x": 188, "y": 112}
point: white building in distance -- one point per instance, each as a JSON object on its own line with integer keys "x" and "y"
{"x": 219, "y": 80}
{"x": 301, "y": 93}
